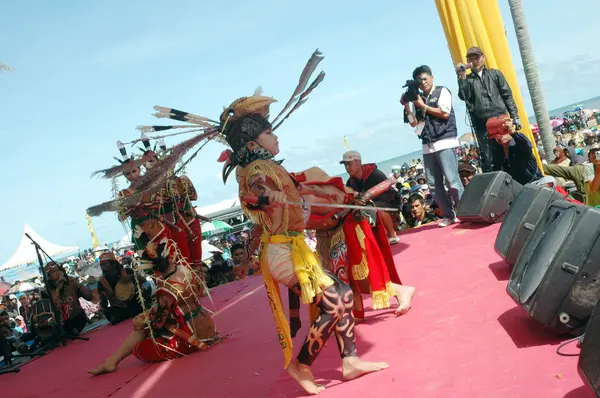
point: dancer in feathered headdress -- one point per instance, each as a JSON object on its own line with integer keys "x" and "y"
{"x": 167, "y": 200}
{"x": 177, "y": 324}
{"x": 265, "y": 188}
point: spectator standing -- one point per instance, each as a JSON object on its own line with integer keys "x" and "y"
{"x": 438, "y": 134}
{"x": 487, "y": 95}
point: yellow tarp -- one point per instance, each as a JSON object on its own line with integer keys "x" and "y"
{"x": 469, "y": 23}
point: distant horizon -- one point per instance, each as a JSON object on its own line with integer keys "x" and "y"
{"x": 85, "y": 76}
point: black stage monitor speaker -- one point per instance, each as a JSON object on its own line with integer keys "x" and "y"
{"x": 557, "y": 276}
{"x": 487, "y": 197}
{"x": 524, "y": 213}
{"x": 589, "y": 358}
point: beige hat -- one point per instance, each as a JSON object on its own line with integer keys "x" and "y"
{"x": 350, "y": 156}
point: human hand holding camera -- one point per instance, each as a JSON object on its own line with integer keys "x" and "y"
{"x": 461, "y": 71}
{"x": 419, "y": 103}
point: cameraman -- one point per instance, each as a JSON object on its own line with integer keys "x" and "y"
{"x": 487, "y": 95}
{"x": 438, "y": 134}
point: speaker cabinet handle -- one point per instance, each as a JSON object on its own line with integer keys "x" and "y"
{"x": 570, "y": 268}
{"x": 528, "y": 226}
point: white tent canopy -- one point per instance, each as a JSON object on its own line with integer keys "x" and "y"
{"x": 215, "y": 207}
{"x": 125, "y": 242}
{"x": 26, "y": 254}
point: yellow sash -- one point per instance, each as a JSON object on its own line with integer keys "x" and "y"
{"x": 310, "y": 275}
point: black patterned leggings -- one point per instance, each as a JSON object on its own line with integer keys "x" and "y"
{"x": 335, "y": 315}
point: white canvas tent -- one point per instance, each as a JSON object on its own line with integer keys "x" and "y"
{"x": 216, "y": 207}
{"x": 125, "y": 242}
{"x": 26, "y": 254}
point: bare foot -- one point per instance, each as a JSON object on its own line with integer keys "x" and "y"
{"x": 302, "y": 375}
{"x": 404, "y": 295}
{"x": 353, "y": 367}
{"x": 105, "y": 367}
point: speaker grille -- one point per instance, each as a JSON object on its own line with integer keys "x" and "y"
{"x": 589, "y": 360}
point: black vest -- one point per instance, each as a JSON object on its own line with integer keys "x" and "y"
{"x": 436, "y": 129}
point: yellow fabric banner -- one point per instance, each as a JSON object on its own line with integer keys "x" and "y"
{"x": 95, "y": 242}
{"x": 469, "y": 23}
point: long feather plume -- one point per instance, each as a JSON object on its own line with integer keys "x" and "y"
{"x": 119, "y": 169}
{"x": 120, "y": 203}
{"x": 154, "y": 178}
{"x": 175, "y": 114}
{"x": 157, "y": 137}
{"x": 303, "y": 98}
{"x": 155, "y": 129}
{"x": 310, "y": 67}
{"x": 163, "y": 167}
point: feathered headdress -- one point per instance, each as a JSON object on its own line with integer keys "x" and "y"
{"x": 246, "y": 118}
{"x": 125, "y": 164}
{"x": 239, "y": 123}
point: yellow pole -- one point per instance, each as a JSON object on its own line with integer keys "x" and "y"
{"x": 95, "y": 242}
{"x": 491, "y": 12}
{"x": 469, "y": 23}
{"x": 346, "y": 143}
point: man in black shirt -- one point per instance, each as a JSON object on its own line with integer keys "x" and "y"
{"x": 418, "y": 212}
{"x": 487, "y": 94}
{"x": 518, "y": 160}
{"x": 364, "y": 177}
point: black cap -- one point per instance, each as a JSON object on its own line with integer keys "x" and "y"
{"x": 462, "y": 166}
{"x": 474, "y": 51}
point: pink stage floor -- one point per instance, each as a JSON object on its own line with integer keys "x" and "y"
{"x": 464, "y": 337}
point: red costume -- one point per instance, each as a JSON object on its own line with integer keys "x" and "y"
{"x": 351, "y": 248}
{"x": 177, "y": 315}
{"x": 188, "y": 220}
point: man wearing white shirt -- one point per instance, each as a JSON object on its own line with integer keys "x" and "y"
{"x": 438, "y": 134}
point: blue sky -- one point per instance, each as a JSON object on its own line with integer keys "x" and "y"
{"x": 89, "y": 72}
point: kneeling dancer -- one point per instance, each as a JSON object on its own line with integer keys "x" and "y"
{"x": 177, "y": 324}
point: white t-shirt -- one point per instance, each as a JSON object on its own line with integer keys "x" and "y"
{"x": 445, "y": 104}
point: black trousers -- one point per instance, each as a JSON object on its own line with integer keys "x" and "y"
{"x": 75, "y": 323}
{"x": 491, "y": 153}
{"x": 116, "y": 315}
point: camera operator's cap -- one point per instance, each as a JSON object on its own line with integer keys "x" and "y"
{"x": 474, "y": 51}
{"x": 463, "y": 166}
{"x": 350, "y": 156}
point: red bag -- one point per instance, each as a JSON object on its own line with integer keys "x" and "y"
{"x": 497, "y": 126}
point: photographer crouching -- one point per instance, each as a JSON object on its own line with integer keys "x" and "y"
{"x": 487, "y": 95}
{"x": 436, "y": 123}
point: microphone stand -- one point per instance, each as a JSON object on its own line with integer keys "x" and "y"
{"x": 62, "y": 334}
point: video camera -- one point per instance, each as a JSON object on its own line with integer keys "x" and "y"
{"x": 463, "y": 67}
{"x": 411, "y": 94}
